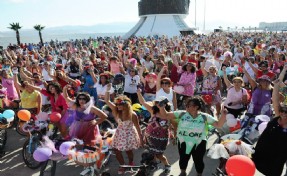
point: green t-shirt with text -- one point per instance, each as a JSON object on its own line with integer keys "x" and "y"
{"x": 192, "y": 130}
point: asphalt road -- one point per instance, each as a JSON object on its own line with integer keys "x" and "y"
{"x": 11, "y": 164}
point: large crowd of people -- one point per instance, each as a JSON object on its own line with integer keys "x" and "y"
{"x": 233, "y": 72}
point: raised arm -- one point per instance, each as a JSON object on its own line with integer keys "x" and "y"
{"x": 252, "y": 67}
{"x": 17, "y": 83}
{"x": 65, "y": 94}
{"x": 34, "y": 87}
{"x": 24, "y": 76}
{"x": 107, "y": 98}
{"x": 275, "y": 98}
{"x": 92, "y": 73}
{"x": 143, "y": 102}
{"x": 222, "y": 119}
{"x": 141, "y": 75}
{"x": 205, "y": 73}
{"x": 283, "y": 72}
{"x": 174, "y": 100}
{"x": 250, "y": 80}
{"x": 158, "y": 84}
{"x": 226, "y": 81}
{"x": 166, "y": 115}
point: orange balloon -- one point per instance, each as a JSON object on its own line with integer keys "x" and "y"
{"x": 55, "y": 117}
{"x": 24, "y": 115}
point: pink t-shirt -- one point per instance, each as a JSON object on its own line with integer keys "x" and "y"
{"x": 11, "y": 90}
{"x": 234, "y": 96}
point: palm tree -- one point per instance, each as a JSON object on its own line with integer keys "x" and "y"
{"x": 16, "y": 27}
{"x": 39, "y": 28}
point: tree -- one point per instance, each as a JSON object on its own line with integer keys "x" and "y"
{"x": 16, "y": 27}
{"x": 39, "y": 28}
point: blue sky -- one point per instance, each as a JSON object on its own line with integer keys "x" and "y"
{"x": 51, "y": 13}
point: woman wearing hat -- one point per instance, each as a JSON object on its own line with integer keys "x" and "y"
{"x": 187, "y": 78}
{"x": 149, "y": 85}
{"x": 211, "y": 85}
{"x": 270, "y": 151}
{"x": 236, "y": 95}
{"x": 164, "y": 88}
{"x": 263, "y": 70}
{"x": 261, "y": 95}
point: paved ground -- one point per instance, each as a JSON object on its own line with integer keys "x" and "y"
{"x": 12, "y": 163}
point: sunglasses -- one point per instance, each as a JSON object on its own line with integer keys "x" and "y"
{"x": 119, "y": 104}
{"x": 239, "y": 82}
{"x": 132, "y": 71}
{"x": 82, "y": 98}
{"x": 165, "y": 83}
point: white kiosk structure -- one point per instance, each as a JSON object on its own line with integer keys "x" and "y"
{"x": 161, "y": 17}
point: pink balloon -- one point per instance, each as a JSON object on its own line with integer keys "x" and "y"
{"x": 42, "y": 154}
{"x": 42, "y": 116}
{"x": 66, "y": 146}
{"x": 262, "y": 127}
{"x": 178, "y": 89}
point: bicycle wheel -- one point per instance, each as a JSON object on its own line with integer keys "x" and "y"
{"x": 29, "y": 147}
{"x": 19, "y": 128}
{"x": 3, "y": 138}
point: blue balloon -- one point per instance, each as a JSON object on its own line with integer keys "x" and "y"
{"x": 8, "y": 114}
{"x": 1, "y": 115}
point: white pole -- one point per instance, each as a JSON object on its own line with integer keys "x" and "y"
{"x": 195, "y": 13}
{"x": 204, "y": 12}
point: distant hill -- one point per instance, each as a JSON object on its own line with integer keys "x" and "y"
{"x": 99, "y": 28}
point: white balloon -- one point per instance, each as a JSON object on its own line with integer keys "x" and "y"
{"x": 231, "y": 122}
{"x": 10, "y": 119}
{"x": 230, "y": 116}
{"x": 262, "y": 127}
{"x": 263, "y": 118}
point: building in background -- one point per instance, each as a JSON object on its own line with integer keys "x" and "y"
{"x": 161, "y": 17}
{"x": 275, "y": 26}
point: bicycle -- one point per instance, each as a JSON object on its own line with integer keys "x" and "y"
{"x": 147, "y": 165}
{"x": 34, "y": 141}
{"x": 93, "y": 159}
{"x": 22, "y": 125}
